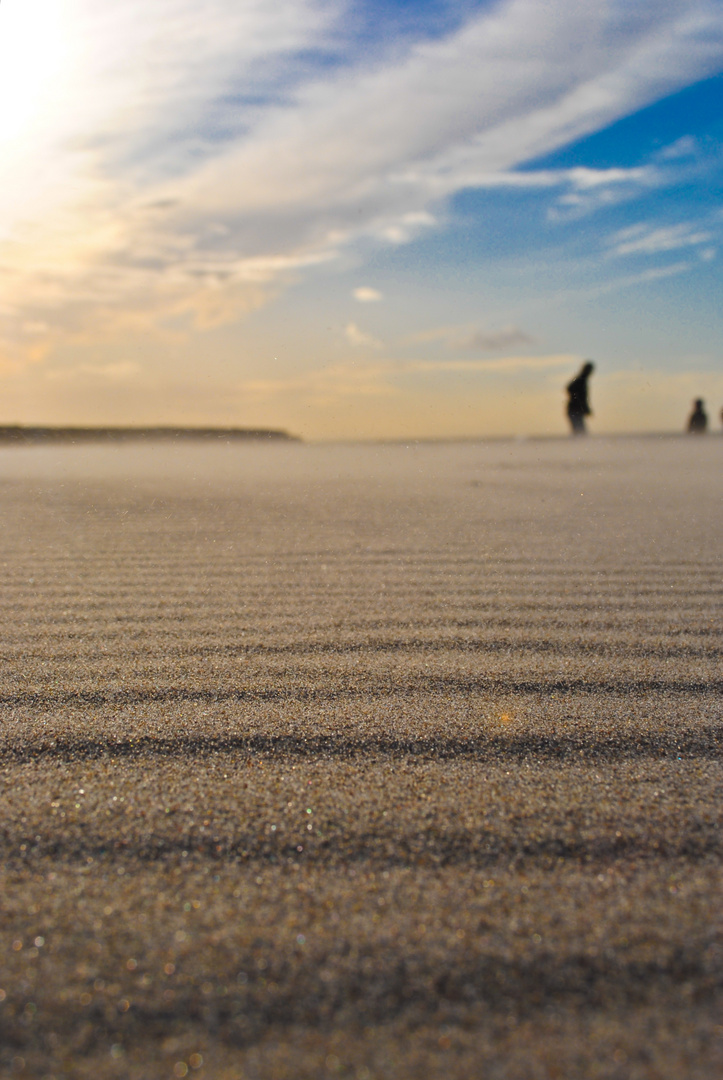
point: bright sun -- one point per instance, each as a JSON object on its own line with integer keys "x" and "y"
{"x": 33, "y": 61}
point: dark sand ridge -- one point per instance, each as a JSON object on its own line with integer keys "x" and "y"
{"x": 373, "y": 762}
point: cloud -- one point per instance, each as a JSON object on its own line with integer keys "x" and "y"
{"x": 357, "y": 337}
{"x": 366, "y": 295}
{"x": 649, "y": 240}
{"x": 685, "y": 147}
{"x": 579, "y": 178}
{"x": 177, "y": 162}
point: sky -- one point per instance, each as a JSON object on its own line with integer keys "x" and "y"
{"x": 357, "y": 219}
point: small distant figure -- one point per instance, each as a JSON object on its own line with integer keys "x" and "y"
{"x": 578, "y": 406}
{"x": 698, "y": 421}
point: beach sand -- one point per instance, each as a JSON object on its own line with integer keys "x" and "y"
{"x": 368, "y": 762}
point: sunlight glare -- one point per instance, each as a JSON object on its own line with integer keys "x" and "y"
{"x": 34, "y": 50}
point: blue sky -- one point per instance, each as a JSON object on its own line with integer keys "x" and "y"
{"x": 358, "y": 219}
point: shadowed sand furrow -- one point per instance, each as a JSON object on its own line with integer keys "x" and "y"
{"x": 403, "y": 985}
{"x": 426, "y": 645}
{"x": 341, "y": 693}
{"x": 373, "y": 850}
{"x": 704, "y": 742}
{"x": 252, "y": 980}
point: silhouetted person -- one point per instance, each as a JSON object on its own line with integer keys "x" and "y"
{"x": 698, "y": 422}
{"x": 578, "y": 406}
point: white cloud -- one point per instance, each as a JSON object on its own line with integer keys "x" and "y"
{"x": 578, "y": 179}
{"x": 366, "y": 295}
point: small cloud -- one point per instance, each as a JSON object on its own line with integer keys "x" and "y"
{"x": 403, "y": 229}
{"x": 357, "y": 337}
{"x": 366, "y": 295}
{"x": 708, "y": 254}
{"x": 681, "y": 148}
{"x": 584, "y": 178}
{"x": 644, "y": 240}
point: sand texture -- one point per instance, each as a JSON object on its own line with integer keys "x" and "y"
{"x": 362, "y": 762}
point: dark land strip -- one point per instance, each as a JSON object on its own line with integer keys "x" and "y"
{"x": 16, "y": 433}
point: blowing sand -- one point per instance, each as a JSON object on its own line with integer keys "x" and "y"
{"x": 362, "y": 763}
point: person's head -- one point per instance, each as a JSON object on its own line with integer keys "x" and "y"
{"x": 587, "y": 368}
{"x": 699, "y": 403}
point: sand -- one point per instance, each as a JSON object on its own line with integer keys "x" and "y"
{"x": 362, "y": 762}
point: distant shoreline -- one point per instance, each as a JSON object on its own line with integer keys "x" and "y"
{"x": 17, "y": 433}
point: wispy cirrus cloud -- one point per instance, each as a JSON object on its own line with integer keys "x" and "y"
{"x": 643, "y": 239}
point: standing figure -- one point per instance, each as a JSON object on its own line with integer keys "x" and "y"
{"x": 578, "y": 406}
{"x": 698, "y": 420}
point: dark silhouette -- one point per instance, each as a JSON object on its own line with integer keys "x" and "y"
{"x": 698, "y": 421}
{"x": 578, "y": 406}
